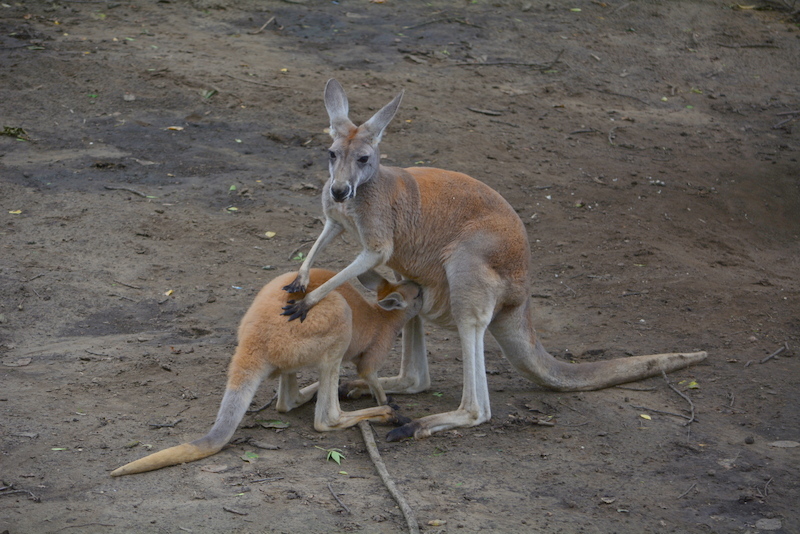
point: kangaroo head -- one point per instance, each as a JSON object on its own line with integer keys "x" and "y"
{"x": 354, "y": 155}
{"x": 404, "y": 295}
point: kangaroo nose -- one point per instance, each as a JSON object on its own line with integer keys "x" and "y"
{"x": 340, "y": 193}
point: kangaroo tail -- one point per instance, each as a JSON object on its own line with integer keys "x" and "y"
{"x": 516, "y": 336}
{"x": 231, "y": 411}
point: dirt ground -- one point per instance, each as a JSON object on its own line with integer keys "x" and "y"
{"x": 650, "y": 147}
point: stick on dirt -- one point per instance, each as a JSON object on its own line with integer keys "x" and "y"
{"x": 768, "y": 358}
{"x": 686, "y": 397}
{"x": 369, "y": 441}
{"x": 128, "y": 189}
{"x": 343, "y": 505}
{"x": 682, "y": 495}
{"x": 267, "y": 405}
{"x": 261, "y": 29}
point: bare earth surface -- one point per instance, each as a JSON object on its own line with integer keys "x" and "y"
{"x": 650, "y": 147}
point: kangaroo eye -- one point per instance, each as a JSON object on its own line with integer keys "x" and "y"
{"x": 363, "y": 159}
{"x": 332, "y": 154}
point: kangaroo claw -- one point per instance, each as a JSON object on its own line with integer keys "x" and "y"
{"x": 296, "y": 310}
{"x": 295, "y": 287}
{"x": 400, "y": 420}
{"x": 403, "y": 432}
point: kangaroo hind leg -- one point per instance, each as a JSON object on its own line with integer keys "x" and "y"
{"x": 474, "y": 287}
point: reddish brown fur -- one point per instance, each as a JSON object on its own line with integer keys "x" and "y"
{"x": 467, "y": 247}
{"x": 269, "y": 346}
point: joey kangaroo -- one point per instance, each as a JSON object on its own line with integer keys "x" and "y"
{"x": 468, "y": 249}
{"x": 345, "y": 327}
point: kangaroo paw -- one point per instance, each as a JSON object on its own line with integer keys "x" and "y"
{"x": 403, "y": 432}
{"x": 296, "y": 310}
{"x": 399, "y": 419}
{"x": 295, "y": 287}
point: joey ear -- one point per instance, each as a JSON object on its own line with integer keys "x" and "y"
{"x": 371, "y": 280}
{"x": 394, "y": 301}
{"x": 338, "y": 108}
{"x": 378, "y": 123}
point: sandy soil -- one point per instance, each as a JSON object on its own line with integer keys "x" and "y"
{"x": 650, "y": 147}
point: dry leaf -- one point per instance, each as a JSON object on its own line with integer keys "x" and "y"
{"x": 214, "y": 468}
{"x": 784, "y": 444}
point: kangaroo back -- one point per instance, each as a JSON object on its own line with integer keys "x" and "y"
{"x": 468, "y": 249}
{"x": 269, "y": 346}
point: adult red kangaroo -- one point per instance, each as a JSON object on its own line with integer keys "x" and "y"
{"x": 467, "y": 248}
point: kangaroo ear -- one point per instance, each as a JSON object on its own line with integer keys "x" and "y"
{"x": 378, "y": 123}
{"x": 394, "y": 301}
{"x": 338, "y": 109}
{"x": 371, "y": 280}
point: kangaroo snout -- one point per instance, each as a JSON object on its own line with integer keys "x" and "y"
{"x": 340, "y": 193}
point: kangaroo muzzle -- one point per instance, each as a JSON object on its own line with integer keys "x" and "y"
{"x": 341, "y": 192}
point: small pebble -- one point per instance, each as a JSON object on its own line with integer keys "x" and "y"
{"x": 749, "y": 440}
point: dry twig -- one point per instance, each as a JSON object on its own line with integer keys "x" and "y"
{"x": 261, "y": 29}
{"x": 343, "y": 505}
{"x": 783, "y": 348}
{"x": 165, "y": 425}
{"x": 686, "y": 397}
{"x": 267, "y": 405}
{"x": 128, "y": 189}
{"x": 372, "y": 448}
{"x": 257, "y": 83}
{"x": 682, "y": 495}
{"x": 539, "y": 66}
{"x": 9, "y": 490}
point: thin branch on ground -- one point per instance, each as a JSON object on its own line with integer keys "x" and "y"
{"x": 372, "y": 448}
{"x": 128, "y": 189}
{"x": 267, "y": 405}
{"x": 9, "y": 490}
{"x": 265, "y": 84}
{"x": 682, "y": 495}
{"x": 539, "y": 66}
{"x": 261, "y": 29}
{"x": 686, "y": 397}
{"x": 165, "y": 425}
{"x": 343, "y": 505}
{"x": 781, "y": 349}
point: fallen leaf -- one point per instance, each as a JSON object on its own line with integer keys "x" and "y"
{"x": 608, "y": 500}
{"x": 270, "y": 235}
{"x": 437, "y": 522}
{"x": 272, "y": 423}
{"x": 175, "y": 128}
{"x": 169, "y": 293}
{"x": 15, "y": 212}
{"x": 645, "y": 416}
{"x": 31, "y": 435}
{"x": 214, "y": 468}
{"x": 19, "y": 362}
{"x": 264, "y": 445}
{"x": 784, "y": 444}
{"x": 693, "y": 385}
{"x": 249, "y": 456}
